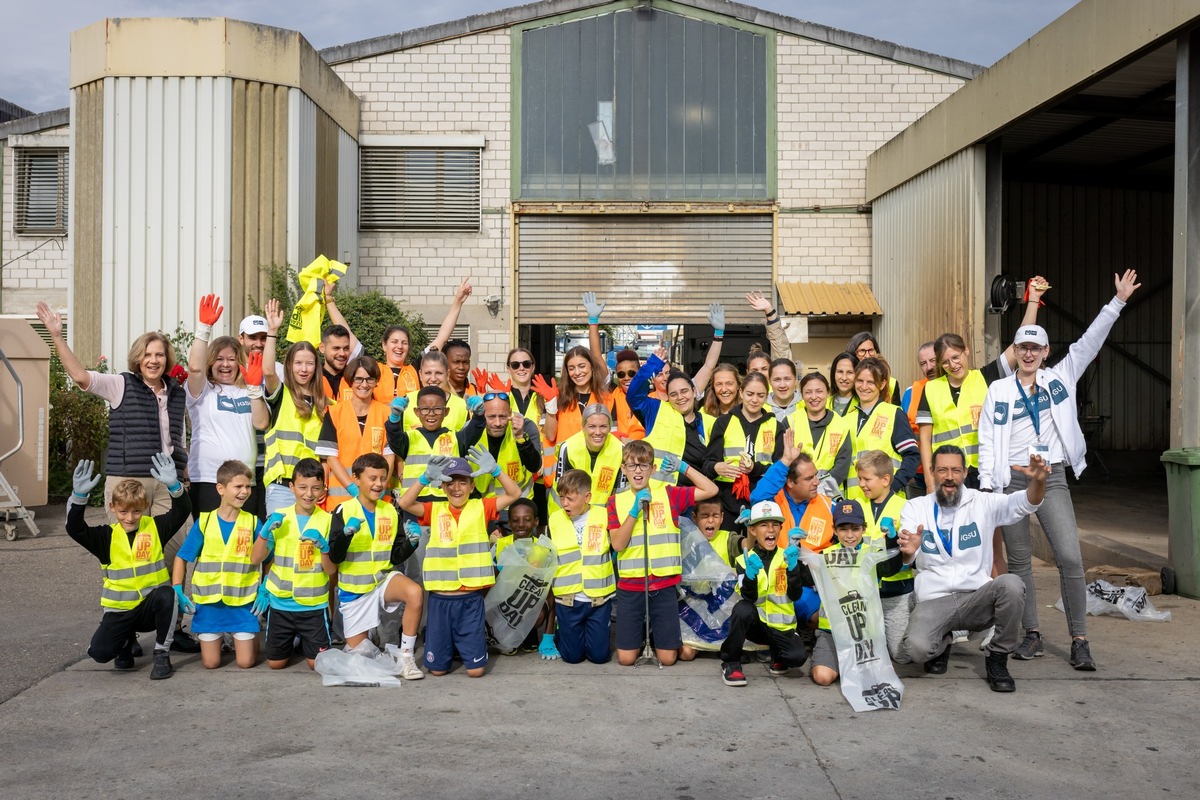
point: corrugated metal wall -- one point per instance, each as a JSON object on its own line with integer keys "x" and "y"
{"x": 258, "y": 194}
{"x": 348, "y": 202}
{"x": 649, "y": 269}
{"x": 302, "y": 179}
{"x": 86, "y": 218}
{"x": 1077, "y": 237}
{"x": 928, "y": 260}
{"x": 166, "y": 203}
{"x": 326, "y": 220}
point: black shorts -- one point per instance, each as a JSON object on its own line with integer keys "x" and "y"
{"x": 283, "y": 626}
{"x": 664, "y": 619}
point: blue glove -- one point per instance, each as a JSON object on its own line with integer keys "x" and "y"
{"x": 269, "y": 526}
{"x": 888, "y": 526}
{"x": 352, "y": 489}
{"x": 642, "y": 496}
{"x": 83, "y": 482}
{"x": 316, "y": 538}
{"x": 594, "y": 309}
{"x": 754, "y": 566}
{"x": 743, "y": 517}
{"x": 185, "y": 605}
{"x": 261, "y": 600}
{"x": 795, "y": 535}
{"x": 352, "y": 525}
{"x": 413, "y": 531}
{"x": 163, "y": 471}
{"x": 547, "y": 649}
{"x": 716, "y": 318}
{"x": 474, "y": 404}
{"x": 398, "y": 407}
{"x": 792, "y": 554}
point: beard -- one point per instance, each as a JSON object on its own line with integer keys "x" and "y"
{"x": 949, "y": 498}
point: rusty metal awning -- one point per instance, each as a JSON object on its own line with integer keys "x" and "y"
{"x": 828, "y": 299}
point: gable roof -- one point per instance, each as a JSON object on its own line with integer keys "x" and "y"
{"x": 517, "y": 15}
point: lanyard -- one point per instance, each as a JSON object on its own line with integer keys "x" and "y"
{"x": 943, "y": 535}
{"x": 1034, "y": 417}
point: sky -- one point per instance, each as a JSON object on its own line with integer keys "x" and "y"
{"x": 35, "y": 54}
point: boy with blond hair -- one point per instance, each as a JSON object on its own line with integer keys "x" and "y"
{"x": 881, "y": 509}
{"x": 584, "y": 582}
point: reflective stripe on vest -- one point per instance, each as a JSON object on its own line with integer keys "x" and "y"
{"x": 665, "y": 556}
{"x": 604, "y": 474}
{"x": 876, "y": 434}
{"x": 509, "y": 460}
{"x": 134, "y": 569}
{"x": 582, "y": 567}
{"x": 223, "y": 572}
{"x": 369, "y": 555}
{"x": 296, "y": 567}
{"x": 875, "y": 535}
{"x": 775, "y": 608}
{"x": 823, "y": 452}
{"x": 957, "y": 423}
{"x": 289, "y": 440}
{"x": 419, "y": 451}
{"x": 458, "y": 554}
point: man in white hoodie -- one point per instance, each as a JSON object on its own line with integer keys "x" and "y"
{"x": 947, "y": 537}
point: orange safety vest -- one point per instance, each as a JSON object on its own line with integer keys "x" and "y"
{"x": 817, "y": 522}
{"x": 914, "y": 401}
{"x": 628, "y": 425}
{"x": 390, "y": 387}
{"x": 328, "y": 389}
{"x": 570, "y": 422}
{"x": 354, "y": 442}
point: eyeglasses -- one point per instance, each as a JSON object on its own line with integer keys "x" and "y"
{"x": 358, "y": 380}
{"x": 637, "y": 467}
{"x": 520, "y": 365}
{"x": 431, "y": 410}
{"x": 622, "y": 374}
{"x": 949, "y": 360}
{"x": 495, "y": 396}
{"x": 1029, "y": 349}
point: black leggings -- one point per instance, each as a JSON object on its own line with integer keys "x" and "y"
{"x": 118, "y": 628}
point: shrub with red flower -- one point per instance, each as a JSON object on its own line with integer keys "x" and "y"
{"x": 179, "y": 373}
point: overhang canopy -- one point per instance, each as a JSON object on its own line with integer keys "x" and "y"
{"x": 828, "y": 299}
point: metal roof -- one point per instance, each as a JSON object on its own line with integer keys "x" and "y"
{"x": 828, "y": 299}
{"x": 36, "y": 123}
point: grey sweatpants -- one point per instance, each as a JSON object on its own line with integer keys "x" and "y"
{"x": 998, "y": 602}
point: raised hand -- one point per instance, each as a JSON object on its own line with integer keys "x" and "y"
{"x": 399, "y": 404}
{"x": 484, "y": 462}
{"x": 252, "y": 373}
{"x": 50, "y": 319}
{"x": 759, "y": 302}
{"x": 273, "y": 314}
{"x": 435, "y": 471}
{"x": 548, "y": 392}
{"x": 716, "y": 318}
{"x": 594, "y": 307}
{"x": 910, "y": 542}
{"x": 494, "y": 384}
{"x": 83, "y": 482}
{"x": 163, "y": 470}
{"x": 479, "y": 376}
{"x": 754, "y": 566}
{"x": 1035, "y": 287}
{"x": 790, "y": 451}
{"x": 1126, "y": 284}
{"x": 464, "y": 291}
{"x": 210, "y": 310}
{"x": 791, "y": 554}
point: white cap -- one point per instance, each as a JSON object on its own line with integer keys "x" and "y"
{"x": 1032, "y": 333}
{"x": 253, "y": 324}
{"x": 765, "y": 511}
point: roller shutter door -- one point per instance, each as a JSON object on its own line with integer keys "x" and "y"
{"x": 648, "y": 269}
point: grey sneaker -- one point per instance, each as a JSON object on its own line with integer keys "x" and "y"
{"x": 1081, "y": 656}
{"x": 1031, "y": 647}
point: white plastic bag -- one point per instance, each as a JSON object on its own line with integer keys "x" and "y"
{"x": 512, "y": 606}
{"x": 850, "y": 596}
{"x": 708, "y": 588}
{"x": 1130, "y": 602}
{"x": 363, "y": 665}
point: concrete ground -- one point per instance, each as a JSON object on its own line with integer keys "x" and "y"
{"x": 544, "y": 729}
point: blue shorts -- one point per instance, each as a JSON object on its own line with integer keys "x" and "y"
{"x": 664, "y": 619}
{"x": 806, "y": 605}
{"x": 455, "y": 623}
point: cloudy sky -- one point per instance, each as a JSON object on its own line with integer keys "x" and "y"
{"x": 35, "y": 52}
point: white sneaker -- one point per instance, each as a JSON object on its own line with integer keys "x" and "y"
{"x": 408, "y": 667}
{"x": 959, "y": 636}
{"x": 987, "y": 637}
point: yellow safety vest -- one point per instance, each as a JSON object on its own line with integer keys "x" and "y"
{"x": 722, "y": 543}
{"x": 458, "y": 555}
{"x": 604, "y": 474}
{"x": 133, "y": 569}
{"x": 290, "y": 440}
{"x": 296, "y": 569}
{"x": 666, "y": 559}
{"x": 775, "y": 609}
{"x": 582, "y": 567}
{"x": 223, "y": 571}
{"x": 823, "y": 452}
{"x": 456, "y": 412}
{"x": 369, "y": 556}
{"x": 509, "y": 460}
{"x": 669, "y": 438}
{"x": 876, "y": 434}
{"x": 764, "y": 442}
{"x": 851, "y": 407}
{"x": 874, "y": 532}
{"x": 957, "y": 423}
{"x": 419, "y": 451}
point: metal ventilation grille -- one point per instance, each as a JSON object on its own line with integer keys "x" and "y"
{"x": 419, "y": 189}
{"x": 40, "y": 202}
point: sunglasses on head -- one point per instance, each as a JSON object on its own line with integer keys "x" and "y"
{"x": 495, "y": 396}
{"x": 622, "y": 375}
{"x": 520, "y": 365}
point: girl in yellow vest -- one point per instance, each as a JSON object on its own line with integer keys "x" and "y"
{"x": 770, "y": 580}
{"x": 398, "y": 377}
{"x": 136, "y": 595}
{"x": 294, "y": 408}
{"x": 880, "y": 425}
{"x": 650, "y": 510}
{"x": 458, "y": 561}
{"x": 584, "y": 582}
{"x": 743, "y": 444}
{"x": 351, "y": 428}
{"x": 225, "y": 579}
{"x": 841, "y": 379}
{"x": 823, "y": 434}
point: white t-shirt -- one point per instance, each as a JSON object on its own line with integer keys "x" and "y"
{"x": 221, "y": 430}
{"x": 1024, "y": 435}
{"x": 580, "y": 525}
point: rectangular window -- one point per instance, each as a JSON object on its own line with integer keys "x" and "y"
{"x": 40, "y": 196}
{"x": 418, "y": 189}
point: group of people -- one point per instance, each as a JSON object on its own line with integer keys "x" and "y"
{"x": 329, "y": 490}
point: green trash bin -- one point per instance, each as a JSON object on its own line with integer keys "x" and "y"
{"x": 1183, "y": 503}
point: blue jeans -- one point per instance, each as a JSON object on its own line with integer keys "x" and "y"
{"x": 1057, "y": 516}
{"x": 583, "y": 632}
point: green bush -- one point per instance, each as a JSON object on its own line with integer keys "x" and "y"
{"x": 78, "y": 430}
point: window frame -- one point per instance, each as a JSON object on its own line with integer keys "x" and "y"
{"x": 455, "y": 193}
{"x": 25, "y": 183}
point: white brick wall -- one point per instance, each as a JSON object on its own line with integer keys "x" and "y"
{"x": 35, "y": 273}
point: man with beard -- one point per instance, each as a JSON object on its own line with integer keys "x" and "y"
{"x": 946, "y": 536}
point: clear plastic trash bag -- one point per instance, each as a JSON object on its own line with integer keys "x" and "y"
{"x": 512, "y": 606}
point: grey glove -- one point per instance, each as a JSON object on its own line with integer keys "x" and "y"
{"x": 83, "y": 482}
{"x": 670, "y": 464}
{"x": 829, "y": 487}
{"x": 164, "y": 472}
{"x": 593, "y": 307}
{"x": 716, "y": 318}
{"x": 485, "y": 464}
{"x": 435, "y": 471}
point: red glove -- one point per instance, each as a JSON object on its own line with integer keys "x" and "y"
{"x": 210, "y": 309}
{"x": 741, "y": 487}
{"x": 252, "y": 372}
{"x": 496, "y": 385}
{"x": 547, "y": 391}
{"x": 480, "y": 377}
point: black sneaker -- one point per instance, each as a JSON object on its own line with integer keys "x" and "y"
{"x": 939, "y": 663}
{"x": 1081, "y": 656}
{"x": 1030, "y": 647}
{"x": 162, "y": 666}
{"x": 184, "y": 643}
{"x": 135, "y": 648}
{"x": 778, "y": 669}
{"x": 731, "y": 673}
{"x": 996, "y": 667}
{"x": 124, "y": 659}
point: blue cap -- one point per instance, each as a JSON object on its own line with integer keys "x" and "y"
{"x": 848, "y": 512}
{"x": 458, "y": 466}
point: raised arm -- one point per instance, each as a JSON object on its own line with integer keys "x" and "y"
{"x": 335, "y": 316}
{"x": 209, "y": 313}
{"x": 1035, "y": 287}
{"x": 775, "y": 335}
{"x": 716, "y": 318}
{"x": 594, "y": 309}
{"x": 447, "y": 328}
{"x": 70, "y": 361}
{"x": 274, "y": 317}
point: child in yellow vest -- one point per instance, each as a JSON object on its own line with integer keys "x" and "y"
{"x": 881, "y": 508}
{"x": 523, "y": 523}
{"x": 136, "y": 595}
{"x": 368, "y": 545}
{"x": 584, "y": 581}
{"x": 225, "y": 580}
{"x": 708, "y": 517}
{"x": 295, "y": 593}
{"x": 458, "y": 562}
{"x": 770, "y": 579}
